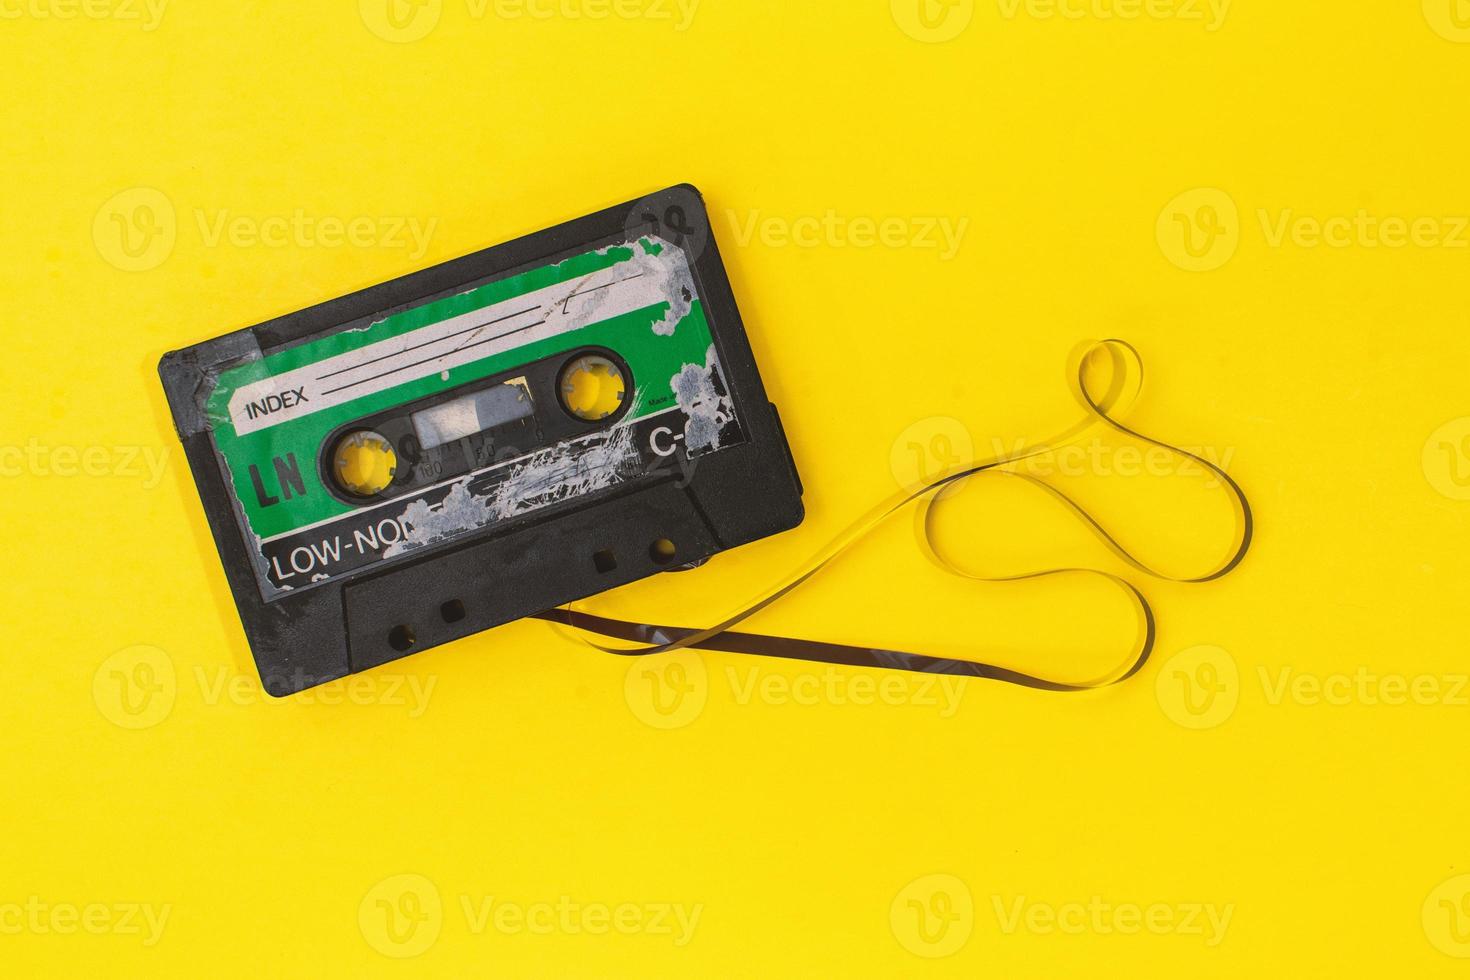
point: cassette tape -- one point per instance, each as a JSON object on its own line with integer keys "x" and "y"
{"x": 481, "y": 441}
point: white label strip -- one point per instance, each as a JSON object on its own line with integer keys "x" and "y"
{"x": 450, "y": 343}
{"x": 466, "y": 479}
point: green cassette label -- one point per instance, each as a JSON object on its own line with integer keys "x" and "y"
{"x": 272, "y": 417}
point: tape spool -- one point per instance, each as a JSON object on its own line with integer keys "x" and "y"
{"x": 592, "y": 387}
{"x": 364, "y": 463}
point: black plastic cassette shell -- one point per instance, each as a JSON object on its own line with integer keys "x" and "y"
{"x": 731, "y": 497}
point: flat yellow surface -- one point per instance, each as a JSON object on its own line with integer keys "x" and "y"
{"x": 923, "y": 210}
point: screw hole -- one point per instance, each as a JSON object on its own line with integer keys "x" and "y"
{"x": 605, "y": 560}
{"x": 401, "y": 638}
{"x": 663, "y": 551}
{"x": 452, "y": 611}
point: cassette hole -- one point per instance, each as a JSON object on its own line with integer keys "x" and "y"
{"x": 401, "y": 638}
{"x": 364, "y": 463}
{"x": 592, "y": 388}
{"x": 452, "y": 611}
{"x": 605, "y": 560}
{"x": 663, "y": 552}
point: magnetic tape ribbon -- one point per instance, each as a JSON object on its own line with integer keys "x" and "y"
{"x": 1126, "y": 380}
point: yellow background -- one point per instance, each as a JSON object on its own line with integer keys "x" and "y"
{"x": 810, "y": 820}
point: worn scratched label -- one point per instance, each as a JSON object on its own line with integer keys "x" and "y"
{"x": 270, "y": 417}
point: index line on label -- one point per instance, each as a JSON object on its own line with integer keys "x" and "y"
{"x": 303, "y": 391}
{"x": 508, "y": 316}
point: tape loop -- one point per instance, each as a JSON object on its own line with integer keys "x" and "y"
{"x": 1104, "y": 405}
